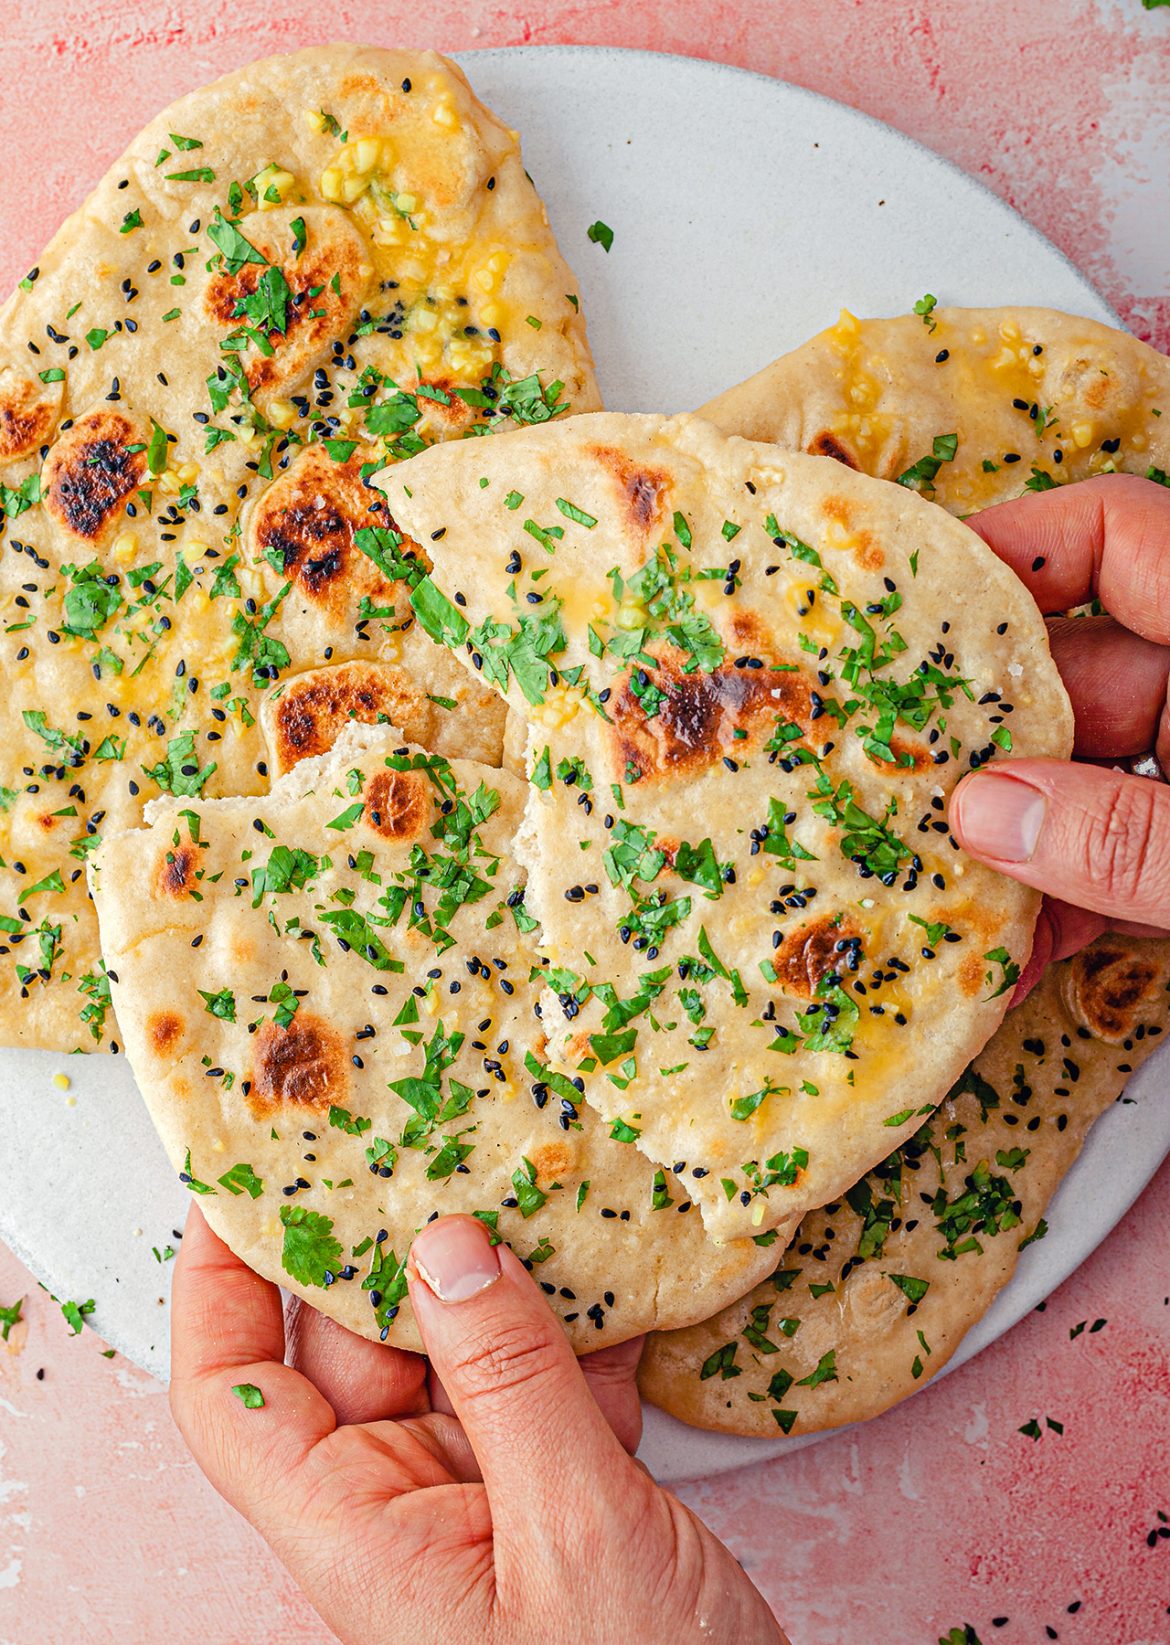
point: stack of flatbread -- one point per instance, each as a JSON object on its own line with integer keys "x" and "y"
{"x": 452, "y": 797}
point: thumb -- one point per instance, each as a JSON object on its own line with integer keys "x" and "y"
{"x": 1086, "y": 834}
{"x": 540, "y": 1439}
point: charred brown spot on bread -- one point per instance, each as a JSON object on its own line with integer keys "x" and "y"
{"x": 315, "y": 313}
{"x": 809, "y": 953}
{"x": 1096, "y": 390}
{"x": 868, "y": 552}
{"x": 455, "y": 413}
{"x": 177, "y": 871}
{"x": 839, "y": 509}
{"x": 26, "y": 420}
{"x": 357, "y": 87}
{"x": 551, "y": 1159}
{"x": 640, "y": 488}
{"x": 164, "y": 1030}
{"x": 90, "y": 472}
{"x": 303, "y": 1066}
{"x": 312, "y": 711}
{"x": 697, "y": 722}
{"x": 907, "y": 757}
{"x": 972, "y": 975}
{"x": 306, "y": 522}
{"x": 577, "y": 1046}
{"x": 827, "y": 444}
{"x": 398, "y": 804}
{"x": 1107, "y": 986}
{"x": 865, "y": 548}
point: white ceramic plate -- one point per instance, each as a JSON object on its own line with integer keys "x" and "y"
{"x": 745, "y": 213}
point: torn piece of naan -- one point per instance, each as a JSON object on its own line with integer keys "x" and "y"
{"x": 328, "y": 996}
{"x": 751, "y": 681}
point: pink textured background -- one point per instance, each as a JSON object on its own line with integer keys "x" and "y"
{"x": 941, "y": 1513}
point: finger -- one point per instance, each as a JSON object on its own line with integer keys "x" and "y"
{"x": 611, "y": 1376}
{"x": 362, "y": 1380}
{"x": 227, "y": 1331}
{"x": 540, "y": 1439}
{"x": 1062, "y": 931}
{"x": 1108, "y": 537}
{"x": 1116, "y": 680}
{"x": 1090, "y": 835}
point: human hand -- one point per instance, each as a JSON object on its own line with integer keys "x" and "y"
{"x": 1095, "y": 839}
{"x": 517, "y": 1518}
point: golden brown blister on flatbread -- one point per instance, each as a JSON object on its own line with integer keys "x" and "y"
{"x": 878, "y": 1289}
{"x": 750, "y": 688}
{"x": 293, "y": 277}
{"x": 328, "y": 996}
{"x": 1032, "y": 398}
{"x": 304, "y": 715}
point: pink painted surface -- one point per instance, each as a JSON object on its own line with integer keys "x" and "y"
{"x": 942, "y": 1513}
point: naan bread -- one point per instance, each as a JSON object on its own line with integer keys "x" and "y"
{"x": 299, "y": 274}
{"x": 751, "y": 681}
{"x": 328, "y": 999}
{"x": 877, "y": 1290}
{"x": 1036, "y": 399}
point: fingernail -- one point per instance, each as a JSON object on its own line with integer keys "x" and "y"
{"x": 1002, "y": 818}
{"x": 455, "y": 1258}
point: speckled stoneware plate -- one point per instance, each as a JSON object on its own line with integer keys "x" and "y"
{"x": 745, "y": 213}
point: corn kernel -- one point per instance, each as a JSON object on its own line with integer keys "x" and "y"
{"x": 485, "y": 279}
{"x": 195, "y": 546}
{"x": 282, "y": 413}
{"x": 62, "y": 1081}
{"x": 125, "y": 547}
{"x": 491, "y": 314}
{"x": 273, "y": 179}
{"x": 386, "y": 232}
{"x": 352, "y": 188}
{"x": 1082, "y": 434}
{"x": 189, "y": 473}
{"x": 331, "y": 183}
{"x": 314, "y": 119}
{"x": 367, "y": 153}
{"x": 846, "y": 331}
{"x": 168, "y": 482}
{"x": 406, "y": 202}
{"x": 424, "y": 319}
{"x": 558, "y": 708}
{"x": 631, "y": 615}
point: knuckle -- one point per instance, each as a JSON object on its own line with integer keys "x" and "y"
{"x": 508, "y": 1356}
{"x": 1127, "y": 842}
